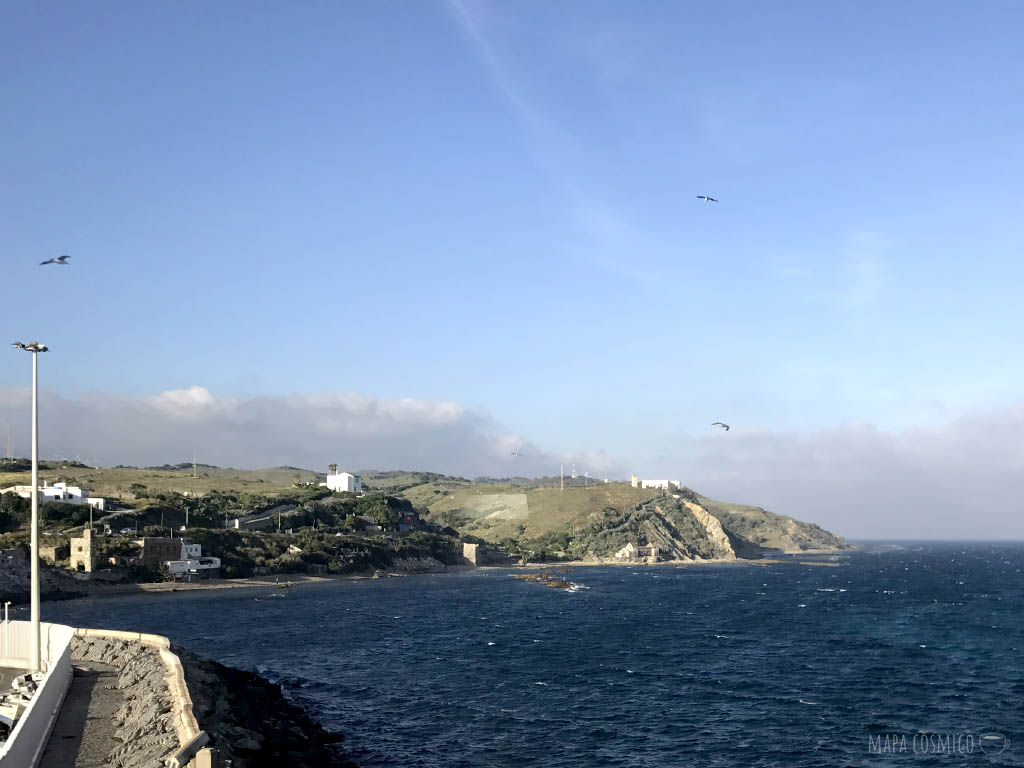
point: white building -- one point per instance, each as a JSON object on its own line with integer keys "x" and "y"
{"x": 343, "y": 481}
{"x": 68, "y": 494}
{"x": 192, "y": 562}
{"x": 197, "y": 566}
{"x": 191, "y": 551}
{"x": 667, "y": 485}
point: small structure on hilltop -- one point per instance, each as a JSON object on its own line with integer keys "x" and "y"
{"x": 343, "y": 481}
{"x": 261, "y": 521}
{"x": 667, "y": 485}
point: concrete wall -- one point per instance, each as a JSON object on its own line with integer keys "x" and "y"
{"x": 28, "y": 739}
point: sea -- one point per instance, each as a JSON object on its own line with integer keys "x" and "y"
{"x": 896, "y": 654}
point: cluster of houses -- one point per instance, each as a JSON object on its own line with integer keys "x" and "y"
{"x": 179, "y": 556}
{"x": 62, "y": 492}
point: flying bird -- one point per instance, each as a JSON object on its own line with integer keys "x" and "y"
{"x": 720, "y": 424}
{"x": 516, "y": 453}
{"x": 706, "y": 199}
{"x": 59, "y": 260}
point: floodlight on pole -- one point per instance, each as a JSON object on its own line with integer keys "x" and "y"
{"x": 35, "y": 348}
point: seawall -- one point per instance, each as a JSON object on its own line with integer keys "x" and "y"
{"x": 172, "y": 699}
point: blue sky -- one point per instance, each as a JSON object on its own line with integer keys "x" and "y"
{"x": 493, "y": 204}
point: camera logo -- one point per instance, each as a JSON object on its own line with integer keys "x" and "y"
{"x": 993, "y": 743}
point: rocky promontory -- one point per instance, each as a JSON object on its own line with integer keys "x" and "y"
{"x": 251, "y": 723}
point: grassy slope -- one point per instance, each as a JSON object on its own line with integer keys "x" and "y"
{"x": 551, "y": 511}
{"x": 115, "y": 482}
{"x": 549, "y": 508}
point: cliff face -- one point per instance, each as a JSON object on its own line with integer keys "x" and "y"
{"x": 771, "y": 531}
{"x": 684, "y": 526}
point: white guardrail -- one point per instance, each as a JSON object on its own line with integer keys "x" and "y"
{"x": 26, "y": 742}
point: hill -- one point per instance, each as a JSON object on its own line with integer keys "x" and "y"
{"x": 527, "y": 518}
{"x": 118, "y": 482}
{"x": 595, "y": 521}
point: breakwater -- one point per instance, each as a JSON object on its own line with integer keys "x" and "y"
{"x": 169, "y": 696}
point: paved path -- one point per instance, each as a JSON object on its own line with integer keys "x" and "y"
{"x": 83, "y": 735}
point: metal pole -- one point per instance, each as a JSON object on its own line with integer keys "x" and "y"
{"x": 8, "y": 452}
{"x": 36, "y": 666}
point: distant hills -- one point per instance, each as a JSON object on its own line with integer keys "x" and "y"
{"x": 526, "y": 517}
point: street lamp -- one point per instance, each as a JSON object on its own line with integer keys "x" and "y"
{"x": 8, "y": 454}
{"x": 35, "y": 348}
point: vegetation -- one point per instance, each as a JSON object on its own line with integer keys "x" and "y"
{"x": 310, "y": 525}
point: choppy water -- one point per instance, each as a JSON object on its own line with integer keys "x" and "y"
{"x": 783, "y": 664}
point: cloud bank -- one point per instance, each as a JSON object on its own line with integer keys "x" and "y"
{"x": 309, "y": 431}
{"x": 963, "y": 480}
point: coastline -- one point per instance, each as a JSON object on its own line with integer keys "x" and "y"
{"x": 290, "y": 581}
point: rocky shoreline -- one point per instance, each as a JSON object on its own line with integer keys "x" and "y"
{"x": 247, "y": 717}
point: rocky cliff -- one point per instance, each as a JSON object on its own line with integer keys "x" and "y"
{"x": 539, "y": 522}
{"x": 686, "y": 527}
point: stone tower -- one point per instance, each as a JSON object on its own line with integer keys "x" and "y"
{"x": 81, "y": 552}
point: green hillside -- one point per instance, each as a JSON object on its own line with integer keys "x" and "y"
{"x": 597, "y": 520}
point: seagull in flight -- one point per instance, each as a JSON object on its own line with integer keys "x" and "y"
{"x": 59, "y": 260}
{"x": 720, "y": 424}
{"x": 516, "y": 453}
{"x": 706, "y": 199}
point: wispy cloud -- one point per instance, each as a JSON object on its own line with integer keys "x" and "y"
{"x": 553, "y": 141}
{"x": 605, "y": 238}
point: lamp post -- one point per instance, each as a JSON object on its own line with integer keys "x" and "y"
{"x": 35, "y": 348}
{"x": 8, "y": 453}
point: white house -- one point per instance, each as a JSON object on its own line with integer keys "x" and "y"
{"x": 343, "y": 481}
{"x": 68, "y": 494}
{"x": 667, "y": 485}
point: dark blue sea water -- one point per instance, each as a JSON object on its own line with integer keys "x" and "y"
{"x": 889, "y": 656}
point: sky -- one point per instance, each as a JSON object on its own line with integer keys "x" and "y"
{"x": 426, "y": 235}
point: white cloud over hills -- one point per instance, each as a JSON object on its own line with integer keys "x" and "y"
{"x": 964, "y": 479}
{"x": 309, "y": 431}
